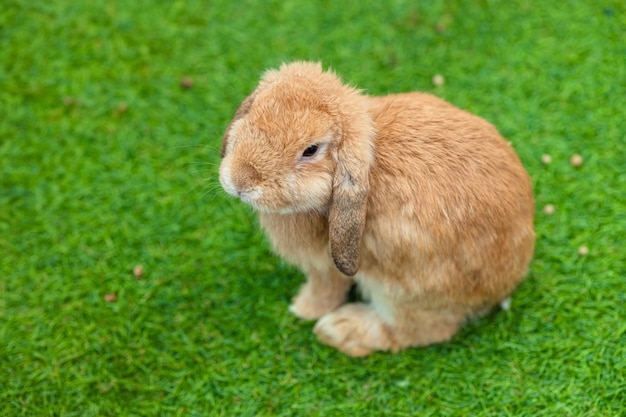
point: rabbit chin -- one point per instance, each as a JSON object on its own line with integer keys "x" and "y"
{"x": 286, "y": 209}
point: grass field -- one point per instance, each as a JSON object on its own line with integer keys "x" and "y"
{"x": 107, "y": 162}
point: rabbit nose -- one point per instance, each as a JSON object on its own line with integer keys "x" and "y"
{"x": 246, "y": 177}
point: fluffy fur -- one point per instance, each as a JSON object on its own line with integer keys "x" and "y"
{"x": 425, "y": 206}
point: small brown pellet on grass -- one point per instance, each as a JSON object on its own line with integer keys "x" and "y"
{"x": 186, "y": 83}
{"x": 549, "y": 209}
{"x": 138, "y": 271}
{"x": 576, "y": 161}
{"x": 122, "y": 107}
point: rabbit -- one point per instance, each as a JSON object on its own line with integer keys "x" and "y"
{"x": 423, "y": 206}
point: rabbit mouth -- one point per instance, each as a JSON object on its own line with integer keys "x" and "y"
{"x": 249, "y": 196}
{"x": 252, "y": 197}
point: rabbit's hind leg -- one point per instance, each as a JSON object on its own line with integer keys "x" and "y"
{"x": 358, "y": 329}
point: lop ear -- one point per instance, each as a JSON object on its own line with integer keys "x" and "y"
{"x": 347, "y": 211}
{"x": 243, "y": 109}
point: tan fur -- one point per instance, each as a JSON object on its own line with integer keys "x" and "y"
{"x": 426, "y": 205}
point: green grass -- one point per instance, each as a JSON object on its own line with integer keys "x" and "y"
{"x": 106, "y": 163}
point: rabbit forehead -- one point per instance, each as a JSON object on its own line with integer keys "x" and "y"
{"x": 284, "y": 127}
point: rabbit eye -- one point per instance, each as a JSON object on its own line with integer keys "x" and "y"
{"x": 310, "y": 151}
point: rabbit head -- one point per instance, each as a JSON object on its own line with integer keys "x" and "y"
{"x": 303, "y": 141}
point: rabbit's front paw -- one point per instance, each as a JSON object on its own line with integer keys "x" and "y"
{"x": 308, "y": 307}
{"x": 317, "y": 298}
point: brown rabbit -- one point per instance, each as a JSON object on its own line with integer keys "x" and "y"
{"x": 425, "y": 206}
